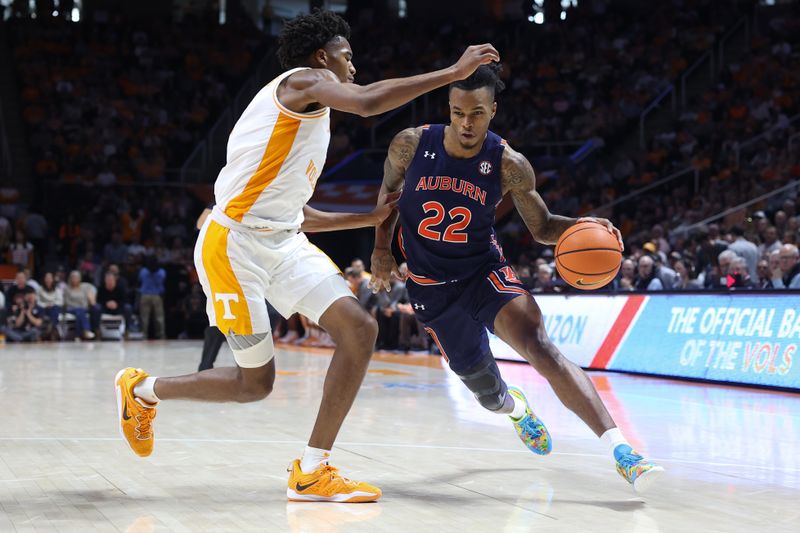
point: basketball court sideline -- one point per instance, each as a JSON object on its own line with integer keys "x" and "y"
{"x": 444, "y": 464}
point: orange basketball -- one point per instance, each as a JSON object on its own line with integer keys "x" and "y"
{"x": 588, "y": 256}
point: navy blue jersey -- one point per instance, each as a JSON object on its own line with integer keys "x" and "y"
{"x": 447, "y": 210}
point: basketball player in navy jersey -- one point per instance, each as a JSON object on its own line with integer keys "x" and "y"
{"x": 452, "y": 177}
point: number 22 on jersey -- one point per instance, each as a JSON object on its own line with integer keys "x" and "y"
{"x": 460, "y": 218}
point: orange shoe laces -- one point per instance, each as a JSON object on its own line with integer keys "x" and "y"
{"x": 333, "y": 472}
{"x": 144, "y": 425}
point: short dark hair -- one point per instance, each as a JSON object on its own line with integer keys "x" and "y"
{"x": 737, "y": 231}
{"x": 305, "y": 34}
{"x": 484, "y": 76}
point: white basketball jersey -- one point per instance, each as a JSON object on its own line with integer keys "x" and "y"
{"x": 273, "y": 161}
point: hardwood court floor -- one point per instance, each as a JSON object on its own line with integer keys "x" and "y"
{"x": 732, "y": 454}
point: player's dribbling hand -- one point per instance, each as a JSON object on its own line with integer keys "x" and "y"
{"x": 609, "y": 225}
{"x": 383, "y": 266}
{"x": 473, "y": 57}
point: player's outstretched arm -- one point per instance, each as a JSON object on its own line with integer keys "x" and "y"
{"x": 520, "y": 180}
{"x": 317, "y": 221}
{"x": 401, "y": 153}
{"x": 321, "y": 86}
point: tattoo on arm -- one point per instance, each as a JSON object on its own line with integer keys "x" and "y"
{"x": 401, "y": 153}
{"x": 519, "y": 179}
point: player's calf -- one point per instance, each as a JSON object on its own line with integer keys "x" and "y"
{"x": 543, "y": 355}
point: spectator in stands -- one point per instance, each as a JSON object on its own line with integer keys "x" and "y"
{"x": 718, "y": 278}
{"x": 358, "y": 267}
{"x": 111, "y": 301}
{"x": 775, "y": 271}
{"x": 745, "y": 249}
{"x": 31, "y": 280}
{"x": 79, "y": 298}
{"x": 764, "y": 275}
{"x": 771, "y": 242}
{"x": 790, "y": 237}
{"x": 151, "y": 302}
{"x": 780, "y": 221}
{"x": 668, "y": 277}
{"x": 740, "y": 274}
{"x": 387, "y": 313}
{"x": 314, "y": 335}
{"x": 648, "y": 280}
{"x": 524, "y": 275}
{"x": 20, "y": 286}
{"x": 131, "y": 226}
{"x": 627, "y": 280}
{"x": 51, "y": 298}
{"x": 121, "y": 281}
{"x": 544, "y": 280}
{"x": 20, "y": 253}
{"x": 115, "y": 251}
{"x": 360, "y": 287}
{"x": 665, "y": 274}
{"x": 411, "y": 334}
{"x": 790, "y": 266}
{"x": 657, "y": 236}
{"x": 685, "y": 279}
{"x": 26, "y": 319}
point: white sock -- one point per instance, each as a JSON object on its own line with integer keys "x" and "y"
{"x": 313, "y": 458}
{"x": 145, "y": 390}
{"x": 519, "y": 408}
{"x": 613, "y": 438}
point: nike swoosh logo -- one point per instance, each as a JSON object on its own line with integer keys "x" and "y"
{"x": 125, "y": 415}
{"x": 584, "y": 284}
{"x": 301, "y": 488}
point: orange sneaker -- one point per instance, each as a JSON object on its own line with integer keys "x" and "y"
{"x": 135, "y": 416}
{"x": 326, "y": 484}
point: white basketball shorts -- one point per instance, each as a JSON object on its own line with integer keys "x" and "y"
{"x": 241, "y": 269}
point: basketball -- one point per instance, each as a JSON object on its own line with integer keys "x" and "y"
{"x": 588, "y": 256}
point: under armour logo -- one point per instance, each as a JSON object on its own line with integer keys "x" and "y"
{"x": 432, "y": 155}
{"x": 419, "y": 306}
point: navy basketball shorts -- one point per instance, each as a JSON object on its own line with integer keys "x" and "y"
{"x": 457, "y": 314}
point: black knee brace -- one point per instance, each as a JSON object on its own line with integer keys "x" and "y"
{"x": 486, "y": 384}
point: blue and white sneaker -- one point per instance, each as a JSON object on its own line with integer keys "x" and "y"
{"x": 530, "y": 429}
{"x": 636, "y": 470}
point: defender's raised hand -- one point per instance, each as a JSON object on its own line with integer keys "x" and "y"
{"x": 473, "y": 57}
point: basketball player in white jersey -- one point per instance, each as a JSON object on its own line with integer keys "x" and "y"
{"x": 252, "y": 248}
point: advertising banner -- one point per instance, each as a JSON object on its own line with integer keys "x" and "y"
{"x": 734, "y": 337}
{"x": 578, "y": 325}
{"x": 739, "y": 338}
